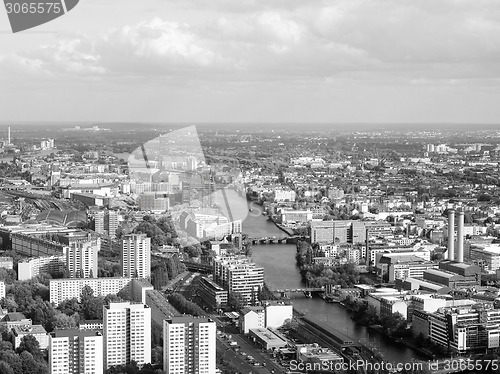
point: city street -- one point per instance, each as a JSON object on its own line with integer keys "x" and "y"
{"x": 246, "y": 348}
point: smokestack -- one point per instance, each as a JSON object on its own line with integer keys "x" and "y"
{"x": 8, "y": 135}
{"x": 451, "y": 235}
{"x": 460, "y": 236}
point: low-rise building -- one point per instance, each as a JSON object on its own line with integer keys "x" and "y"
{"x": 390, "y": 305}
{"x": 11, "y": 320}
{"x": 296, "y": 216}
{"x": 374, "y": 298}
{"x": 273, "y": 314}
{"x": 277, "y": 313}
{"x": 252, "y": 317}
{"x": 7, "y": 263}
{"x": 317, "y": 356}
{"x": 90, "y": 199}
{"x": 449, "y": 279}
{"x": 344, "y": 293}
{"x": 392, "y": 266}
{"x": 91, "y": 325}
{"x": 37, "y": 331}
{"x": 161, "y": 309}
{"x": 267, "y": 338}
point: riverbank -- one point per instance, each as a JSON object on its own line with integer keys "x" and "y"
{"x": 286, "y": 230}
{"x": 281, "y": 272}
{"x": 406, "y": 342}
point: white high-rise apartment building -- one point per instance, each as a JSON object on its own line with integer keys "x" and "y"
{"x": 76, "y": 352}
{"x": 127, "y": 334}
{"x": 106, "y": 222}
{"x": 189, "y": 345}
{"x": 81, "y": 258}
{"x": 136, "y": 256}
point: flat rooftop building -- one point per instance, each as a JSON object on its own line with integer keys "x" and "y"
{"x": 73, "y": 352}
{"x": 267, "y": 339}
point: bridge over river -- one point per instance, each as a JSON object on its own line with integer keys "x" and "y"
{"x": 306, "y": 290}
{"x": 276, "y": 240}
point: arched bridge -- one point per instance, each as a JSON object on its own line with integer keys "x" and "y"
{"x": 306, "y": 290}
{"x": 276, "y": 240}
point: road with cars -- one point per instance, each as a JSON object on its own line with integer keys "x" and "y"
{"x": 244, "y": 353}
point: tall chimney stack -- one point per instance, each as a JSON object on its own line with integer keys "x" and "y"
{"x": 460, "y": 236}
{"x": 8, "y": 135}
{"x": 451, "y": 235}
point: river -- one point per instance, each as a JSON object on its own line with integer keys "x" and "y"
{"x": 280, "y": 271}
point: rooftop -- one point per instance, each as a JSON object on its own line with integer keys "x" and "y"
{"x": 62, "y": 218}
{"x": 126, "y": 305}
{"x": 189, "y": 319}
{"x": 14, "y": 316}
{"x": 212, "y": 284}
{"x": 143, "y": 282}
{"x": 249, "y": 309}
{"x": 401, "y": 258}
{"x": 91, "y": 322}
{"x": 28, "y": 329}
{"x": 267, "y": 335}
{"x": 442, "y": 273}
{"x": 495, "y": 249}
{"x": 162, "y": 303}
{"x": 74, "y": 333}
{"x": 458, "y": 265}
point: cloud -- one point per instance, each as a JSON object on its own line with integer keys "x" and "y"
{"x": 158, "y": 46}
{"x": 413, "y": 32}
{"x": 255, "y": 40}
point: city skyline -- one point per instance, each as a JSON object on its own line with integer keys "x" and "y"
{"x": 365, "y": 220}
{"x": 251, "y": 186}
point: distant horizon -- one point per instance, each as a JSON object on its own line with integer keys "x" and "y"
{"x": 195, "y": 123}
{"x": 281, "y": 128}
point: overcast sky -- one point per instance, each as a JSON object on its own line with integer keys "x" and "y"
{"x": 257, "y": 61}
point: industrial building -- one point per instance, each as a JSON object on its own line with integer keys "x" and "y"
{"x": 267, "y": 339}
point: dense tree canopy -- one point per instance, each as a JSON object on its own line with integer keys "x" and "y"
{"x": 161, "y": 231}
{"x": 185, "y": 306}
{"x": 27, "y": 360}
{"x": 319, "y": 275}
{"x": 91, "y": 305}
